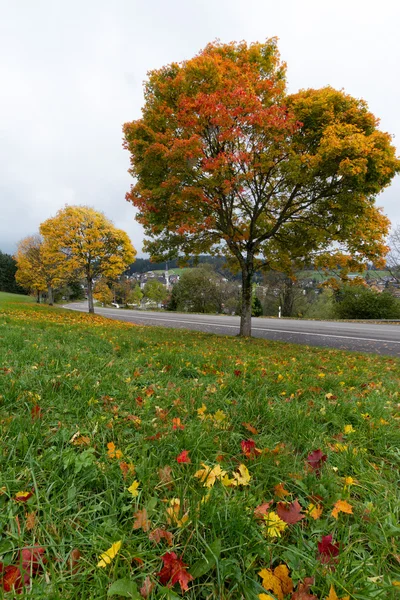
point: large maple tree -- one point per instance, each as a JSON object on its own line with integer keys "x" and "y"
{"x": 226, "y": 161}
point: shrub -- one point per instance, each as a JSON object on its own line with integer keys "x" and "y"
{"x": 359, "y": 302}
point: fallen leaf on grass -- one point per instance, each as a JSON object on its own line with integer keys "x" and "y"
{"x": 250, "y": 428}
{"x": 316, "y": 459}
{"x": 74, "y": 558}
{"x": 158, "y": 534}
{"x": 141, "y": 520}
{"x": 262, "y": 509}
{"x": 81, "y": 440}
{"x": 23, "y": 496}
{"x": 315, "y": 511}
{"x": 36, "y": 412}
{"x": 133, "y": 489}
{"x": 303, "y": 590}
{"x": 30, "y": 520}
{"x": 147, "y": 587}
{"x": 249, "y": 449}
{"x": 127, "y": 468}
{"x": 174, "y": 571}
{"x": 109, "y": 554}
{"x": 209, "y": 475}
{"x": 274, "y": 526}
{"x": 165, "y": 476}
{"x": 327, "y": 550}
{"x": 11, "y": 578}
{"x": 113, "y": 452}
{"x": 334, "y": 596}
{"x": 279, "y": 490}
{"x": 341, "y": 506}
{"x": 277, "y": 581}
{"x": 32, "y": 559}
{"x": 239, "y": 477}
{"x": 290, "y": 513}
{"x": 183, "y": 457}
{"x": 174, "y": 513}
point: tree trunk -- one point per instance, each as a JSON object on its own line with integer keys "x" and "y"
{"x": 90, "y": 294}
{"x": 247, "y": 293}
{"x": 50, "y": 298}
{"x": 38, "y": 297}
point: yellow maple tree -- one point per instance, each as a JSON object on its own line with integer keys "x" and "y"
{"x": 36, "y": 270}
{"x": 84, "y": 243}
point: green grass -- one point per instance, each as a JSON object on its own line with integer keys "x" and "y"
{"x": 112, "y": 382}
{"x": 13, "y": 298}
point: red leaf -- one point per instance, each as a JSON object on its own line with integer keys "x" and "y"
{"x": 174, "y": 571}
{"x": 327, "y": 551}
{"x": 262, "y": 509}
{"x": 303, "y": 589}
{"x": 290, "y": 513}
{"x": 249, "y": 448}
{"x": 36, "y": 412}
{"x": 183, "y": 457}
{"x": 32, "y": 559}
{"x": 316, "y": 459}
{"x": 12, "y": 578}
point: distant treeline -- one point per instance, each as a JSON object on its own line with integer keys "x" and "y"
{"x": 8, "y": 268}
{"x": 142, "y": 265}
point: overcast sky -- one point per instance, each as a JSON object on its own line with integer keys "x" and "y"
{"x": 72, "y": 71}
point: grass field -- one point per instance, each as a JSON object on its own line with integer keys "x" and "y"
{"x": 137, "y": 462}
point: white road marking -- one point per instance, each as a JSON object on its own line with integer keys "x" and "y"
{"x": 345, "y": 337}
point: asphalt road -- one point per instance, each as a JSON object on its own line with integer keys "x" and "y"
{"x": 360, "y": 337}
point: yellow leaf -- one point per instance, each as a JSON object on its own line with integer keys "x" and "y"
{"x": 341, "y": 506}
{"x": 243, "y": 476}
{"x": 277, "y": 581}
{"x": 174, "y": 513}
{"x": 109, "y": 554}
{"x": 209, "y": 475}
{"x": 273, "y": 525}
{"x": 334, "y": 596}
{"x": 265, "y": 597}
{"x": 133, "y": 489}
{"x": 201, "y": 411}
{"x": 349, "y": 429}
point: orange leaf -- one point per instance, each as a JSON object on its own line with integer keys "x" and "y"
{"x": 341, "y": 506}
{"x": 158, "y": 534}
{"x": 30, "y": 520}
{"x": 141, "y": 520}
{"x": 250, "y": 428}
{"x": 280, "y": 491}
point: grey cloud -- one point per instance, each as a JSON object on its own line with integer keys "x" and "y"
{"x": 71, "y": 74}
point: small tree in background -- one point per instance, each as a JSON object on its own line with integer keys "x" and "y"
{"x": 155, "y": 291}
{"x": 197, "y": 291}
{"x": 85, "y": 244}
{"x": 102, "y": 292}
{"x": 135, "y": 296}
{"x": 37, "y": 271}
{"x": 393, "y": 258}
